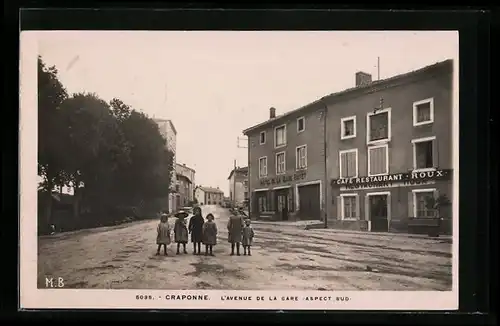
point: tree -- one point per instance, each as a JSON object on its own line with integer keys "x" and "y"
{"x": 97, "y": 147}
{"x": 151, "y": 164}
{"x": 51, "y": 93}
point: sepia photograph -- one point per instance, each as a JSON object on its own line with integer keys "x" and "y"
{"x": 231, "y": 169}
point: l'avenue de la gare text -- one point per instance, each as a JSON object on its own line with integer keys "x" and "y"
{"x": 398, "y": 177}
{"x": 283, "y": 298}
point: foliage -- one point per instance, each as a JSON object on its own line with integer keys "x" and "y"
{"x": 110, "y": 154}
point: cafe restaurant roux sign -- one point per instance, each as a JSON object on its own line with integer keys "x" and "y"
{"x": 392, "y": 180}
{"x": 283, "y": 178}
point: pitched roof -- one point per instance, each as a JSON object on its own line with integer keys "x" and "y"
{"x": 210, "y": 189}
{"x": 372, "y": 85}
{"x": 242, "y": 170}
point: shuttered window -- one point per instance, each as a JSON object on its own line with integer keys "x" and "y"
{"x": 263, "y": 167}
{"x": 349, "y": 207}
{"x": 349, "y": 163}
{"x": 378, "y": 160}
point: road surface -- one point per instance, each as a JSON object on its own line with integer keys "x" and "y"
{"x": 283, "y": 258}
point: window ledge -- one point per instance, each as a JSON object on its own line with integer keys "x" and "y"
{"x": 423, "y": 123}
{"x": 378, "y": 142}
{"x": 355, "y": 176}
{"x": 424, "y": 170}
{"x": 280, "y": 146}
{"x": 301, "y": 169}
{"x": 378, "y": 175}
{"x": 347, "y": 137}
{"x": 350, "y": 219}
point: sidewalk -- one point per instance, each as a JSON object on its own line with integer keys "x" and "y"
{"x": 318, "y": 226}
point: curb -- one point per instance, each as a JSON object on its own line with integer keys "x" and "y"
{"x": 331, "y": 230}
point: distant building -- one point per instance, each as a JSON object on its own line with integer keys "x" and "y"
{"x": 169, "y": 132}
{"x": 238, "y": 186}
{"x": 185, "y": 184}
{"x": 209, "y": 195}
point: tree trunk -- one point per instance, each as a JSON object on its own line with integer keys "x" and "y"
{"x": 76, "y": 199}
{"x": 48, "y": 204}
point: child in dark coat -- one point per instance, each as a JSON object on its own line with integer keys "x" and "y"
{"x": 247, "y": 237}
{"x": 209, "y": 235}
{"x": 181, "y": 231}
{"x": 196, "y": 229}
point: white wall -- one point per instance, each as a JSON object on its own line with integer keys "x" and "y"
{"x": 200, "y": 196}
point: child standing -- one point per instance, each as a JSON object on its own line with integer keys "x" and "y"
{"x": 209, "y": 235}
{"x": 247, "y": 237}
{"x": 163, "y": 237}
{"x": 181, "y": 231}
{"x": 195, "y": 227}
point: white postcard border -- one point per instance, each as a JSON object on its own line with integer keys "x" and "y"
{"x": 33, "y": 298}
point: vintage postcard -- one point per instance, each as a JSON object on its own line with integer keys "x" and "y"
{"x": 239, "y": 170}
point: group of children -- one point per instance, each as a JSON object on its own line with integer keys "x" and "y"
{"x": 202, "y": 232}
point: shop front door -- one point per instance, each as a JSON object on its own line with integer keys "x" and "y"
{"x": 379, "y": 213}
{"x": 282, "y": 204}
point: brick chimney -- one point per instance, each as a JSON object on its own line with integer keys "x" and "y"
{"x": 272, "y": 113}
{"x": 363, "y": 79}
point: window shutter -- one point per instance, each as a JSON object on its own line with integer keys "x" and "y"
{"x": 389, "y": 212}
{"x": 358, "y": 210}
{"x": 436, "y": 198}
{"x": 410, "y": 205}
{"x": 339, "y": 208}
{"x": 367, "y": 208}
{"x": 435, "y": 153}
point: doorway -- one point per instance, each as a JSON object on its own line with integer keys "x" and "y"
{"x": 309, "y": 202}
{"x": 282, "y": 204}
{"x": 379, "y": 212}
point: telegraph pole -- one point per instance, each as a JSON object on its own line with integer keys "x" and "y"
{"x": 234, "y": 171}
{"x": 234, "y": 185}
{"x": 378, "y": 68}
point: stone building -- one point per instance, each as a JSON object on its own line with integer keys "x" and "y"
{"x": 287, "y": 165}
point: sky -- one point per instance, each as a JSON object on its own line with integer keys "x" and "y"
{"x": 215, "y": 84}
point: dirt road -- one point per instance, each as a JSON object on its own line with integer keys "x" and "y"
{"x": 283, "y": 258}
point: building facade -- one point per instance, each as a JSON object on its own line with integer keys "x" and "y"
{"x": 168, "y": 131}
{"x": 185, "y": 184}
{"x": 286, "y": 159}
{"x": 208, "y": 195}
{"x": 238, "y": 186}
{"x": 389, "y": 151}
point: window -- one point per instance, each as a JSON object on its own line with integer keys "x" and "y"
{"x": 378, "y": 160}
{"x": 348, "y": 127}
{"x": 423, "y": 203}
{"x": 280, "y": 163}
{"x": 263, "y": 167}
{"x": 378, "y": 126}
{"x": 423, "y": 112}
{"x": 349, "y": 207}
{"x": 262, "y": 139}
{"x": 348, "y": 163}
{"x": 301, "y": 157}
{"x": 301, "y": 124}
{"x": 280, "y": 136}
{"x": 423, "y": 153}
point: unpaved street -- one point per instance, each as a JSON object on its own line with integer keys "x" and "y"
{"x": 283, "y": 258}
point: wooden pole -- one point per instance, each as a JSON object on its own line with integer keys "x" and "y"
{"x": 234, "y": 185}
{"x": 378, "y": 68}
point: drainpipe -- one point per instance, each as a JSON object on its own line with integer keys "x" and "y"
{"x": 325, "y": 214}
